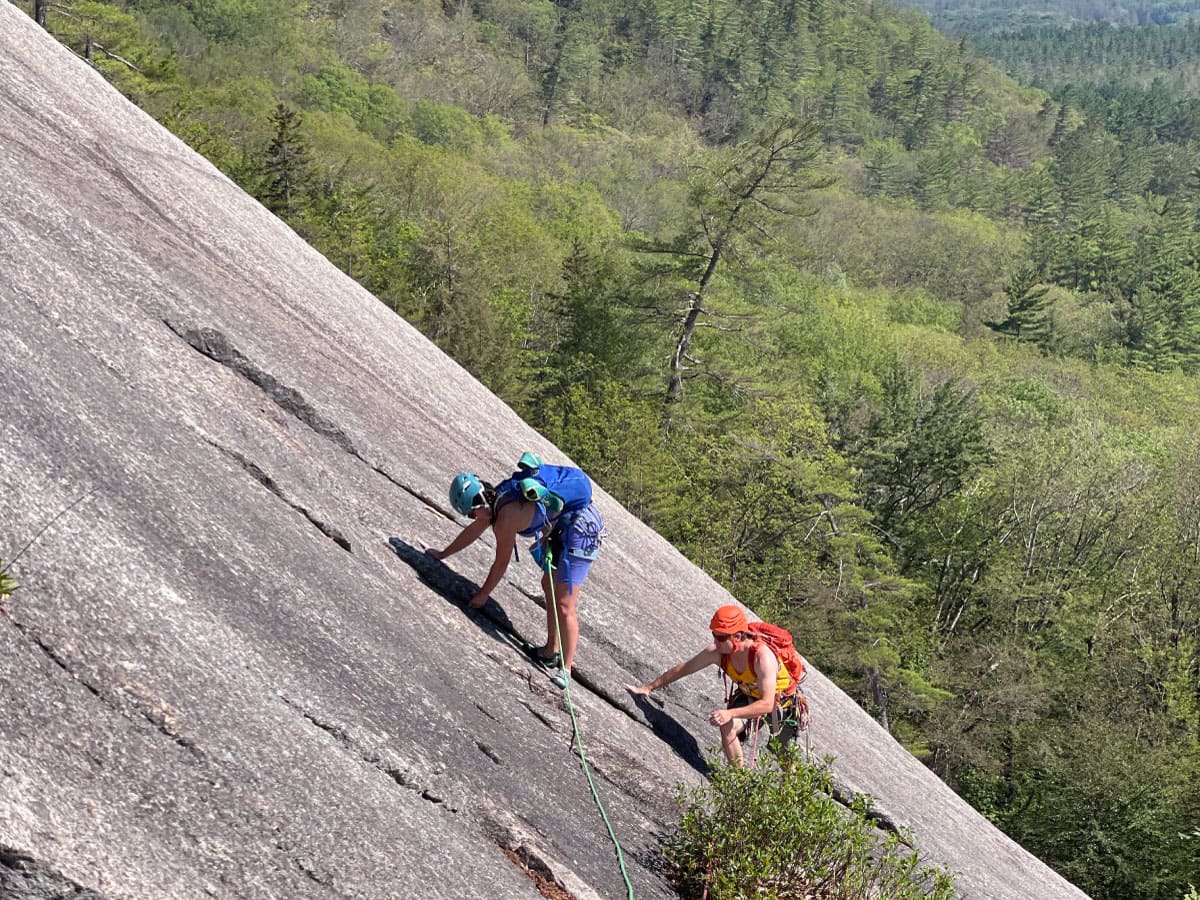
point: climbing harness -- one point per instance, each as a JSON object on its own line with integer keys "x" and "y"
{"x": 785, "y": 722}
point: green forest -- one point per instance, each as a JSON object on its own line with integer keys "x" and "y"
{"x": 1153, "y": 50}
{"x": 903, "y": 352}
{"x": 980, "y": 16}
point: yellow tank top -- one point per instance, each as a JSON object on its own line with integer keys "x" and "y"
{"x": 748, "y": 681}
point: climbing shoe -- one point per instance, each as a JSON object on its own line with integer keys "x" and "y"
{"x": 544, "y": 659}
{"x": 561, "y": 679}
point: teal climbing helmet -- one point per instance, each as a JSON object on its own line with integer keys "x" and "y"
{"x": 465, "y": 487}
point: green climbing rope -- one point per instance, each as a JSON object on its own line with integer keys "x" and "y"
{"x": 587, "y": 770}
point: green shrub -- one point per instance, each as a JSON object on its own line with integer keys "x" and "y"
{"x": 774, "y": 831}
{"x": 7, "y": 585}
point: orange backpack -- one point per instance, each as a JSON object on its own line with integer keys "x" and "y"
{"x": 781, "y": 644}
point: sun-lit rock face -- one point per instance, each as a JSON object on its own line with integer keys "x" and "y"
{"x": 229, "y": 670}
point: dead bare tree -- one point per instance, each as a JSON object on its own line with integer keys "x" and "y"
{"x": 736, "y": 195}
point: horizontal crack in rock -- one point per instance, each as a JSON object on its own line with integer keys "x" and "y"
{"x": 395, "y": 768}
{"x": 154, "y": 710}
{"x": 489, "y": 752}
{"x": 217, "y": 347}
{"x": 269, "y": 483}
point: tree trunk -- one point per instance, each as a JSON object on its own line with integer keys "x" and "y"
{"x": 39, "y": 11}
{"x": 695, "y": 307}
{"x": 675, "y": 384}
{"x": 879, "y": 695}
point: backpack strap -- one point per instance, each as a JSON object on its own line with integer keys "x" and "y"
{"x": 754, "y": 648}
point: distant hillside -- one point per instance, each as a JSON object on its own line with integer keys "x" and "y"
{"x": 974, "y": 17}
{"x": 1164, "y": 59}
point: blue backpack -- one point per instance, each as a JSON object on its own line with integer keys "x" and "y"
{"x": 561, "y": 489}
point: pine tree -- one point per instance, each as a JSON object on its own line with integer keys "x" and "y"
{"x": 1026, "y": 319}
{"x": 1164, "y": 331}
{"x": 1149, "y": 334}
{"x": 885, "y": 177}
{"x": 918, "y": 450}
{"x": 287, "y": 169}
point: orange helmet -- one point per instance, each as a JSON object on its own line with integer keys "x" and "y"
{"x": 728, "y": 620}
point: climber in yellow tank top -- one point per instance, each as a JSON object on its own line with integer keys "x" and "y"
{"x": 748, "y": 663}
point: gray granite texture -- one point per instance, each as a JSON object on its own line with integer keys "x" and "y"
{"x": 229, "y": 671}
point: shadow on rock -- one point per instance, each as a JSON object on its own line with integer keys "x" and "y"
{"x": 443, "y": 580}
{"x": 673, "y": 734}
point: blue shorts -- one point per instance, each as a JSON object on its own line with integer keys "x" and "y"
{"x": 574, "y": 555}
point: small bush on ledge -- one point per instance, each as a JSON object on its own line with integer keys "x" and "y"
{"x": 775, "y": 833}
{"x": 7, "y": 585}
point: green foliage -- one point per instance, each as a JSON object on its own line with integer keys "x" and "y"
{"x": 736, "y": 196}
{"x": 1164, "y": 329}
{"x": 1095, "y": 18}
{"x": 446, "y": 126}
{"x": 117, "y": 45}
{"x": 584, "y": 330}
{"x": 1026, "y": 319}
{"x": 957, "y": 256}
{"x": 287, "y": 174}
{"x": 612, "y": 432}
{"x": 774, "y": 831}
{"x": 746, "y": 491}
{"x": 246, "y": 21}
{"x": 7, "y": 584}
{"x": 1086, "y": 325}
{"x": 375, "y": 108}
{"x": 1151, "y": 795}
{"x": 919, "y": 450}
{"x": 919, "y": 308}
{"x": 1161, "y": 51}
{"x": 343, "y": 220}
